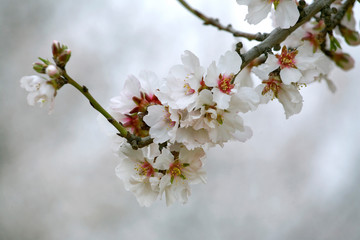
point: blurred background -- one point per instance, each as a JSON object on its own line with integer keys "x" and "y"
{"x": 294, "y": 179}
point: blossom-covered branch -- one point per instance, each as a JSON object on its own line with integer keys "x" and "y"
{"x": 216, "y": 23}
{"x": 165, "y": 124}
{"x": 278, "y": 35}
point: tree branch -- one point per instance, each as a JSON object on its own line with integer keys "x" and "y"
{"x": 278, "y": 35}
{"x": 216, "y": 23}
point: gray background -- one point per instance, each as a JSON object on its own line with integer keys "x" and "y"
{"x": 295, "y": 179}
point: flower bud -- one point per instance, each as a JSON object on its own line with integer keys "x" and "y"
{"x": 343, "y": 60}
{"x": 351, "y": 37}
{"x": 61, "y": 54}
{"x": 39, "y": 67}
{"x": 55, "y": 47}
{"x": 52, "y": 71}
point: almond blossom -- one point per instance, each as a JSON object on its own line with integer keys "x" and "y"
{"x": 132, "y": 103}
{"x": 181, "y": 87}
{"x": 181, "y": 168}
{"x": 41, "y": 91}
{"x": 163, "y": 124}
{"x": 220, "y": 77}
{"x": 296, "y": 65}
{"x": 288, "y": 95}
{"x": 138, "y": 174}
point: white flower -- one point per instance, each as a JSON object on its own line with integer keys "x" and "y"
{"x": 296, "y": 65}
{"x": 192, "y": 138}
{"x": 40, "y": 91}
{"x": 163, "y": 122}
{"x": 220, "y": 77}
{"x": 285, "y": 11}
{"x": 130, "y": 107}
{"x": 181, "y": 87}
{"x": 288, "y": 95}
{"x": 138, "y": 174}
{"x": 182, "y": 168}
{"x": 137, "y": 93}
{"x": 221, "y": 125}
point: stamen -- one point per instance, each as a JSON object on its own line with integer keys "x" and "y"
{"x": 287, "y": 58}
{"x": 224, "y": 83}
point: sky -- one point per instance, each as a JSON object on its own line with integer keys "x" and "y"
{"x": 294, "y": 179}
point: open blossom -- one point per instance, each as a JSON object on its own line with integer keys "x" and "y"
{"x": 221, "y": 125}
{"x": 137, "y": 93}
{"x": 163, "y": 122}
{"x": 220, "y": 77}
{"x": 40, "y": 91}
{"x": 149, "y": 172}
{"x": 132, "y": 103}
{"x": 288, "y": 95}
{"x": 138, "y": 174}
{"x": 183, "y": 82}
{"x": 181, "y": 168}
{"x": 285, "y": 11}
{"x": 296, "y": 65}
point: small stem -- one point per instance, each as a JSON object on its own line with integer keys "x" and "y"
{"x": 216, "y": 23}
{"x": 122, "y": 131}
{"x": 341, "y": 12}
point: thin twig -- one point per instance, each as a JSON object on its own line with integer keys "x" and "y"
{"x": 341, "y": 12}
{"x": 216, "y": 23}
{"x": 278, "y": 35}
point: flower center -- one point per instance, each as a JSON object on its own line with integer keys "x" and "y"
{"x": 145, "y": 169}
{"x": 135, "y": 123}
{"x": 287, "y": 58}
{"x": 272, "y": 84}
{"x": 275, "y": 2}
{"x": 144, "y": 101}
{"x": 188, "y": 89}
{"x": 175, "y": 170}
{"x": 224, "y": 83}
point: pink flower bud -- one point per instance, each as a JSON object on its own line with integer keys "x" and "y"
{"x": 52, "y": 71}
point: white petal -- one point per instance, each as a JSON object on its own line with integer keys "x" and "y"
{"x": 222, "y": 99}
{"x": 286, "y": 14}
{"x": 212, "y": 75}
{"x": 243, "y": 136}
{"x": 257, "y": 11}
{"x": 266, "y": 97}
{"x": 164, "y": 160}
{"x": 291, "y": 99}
{"x": 289, "y": 75}
{"x": 263, "y": 70}
{"x": 190, "y": 61}
{"x": 229, "y": 63}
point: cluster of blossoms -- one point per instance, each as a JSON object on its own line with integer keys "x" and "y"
{"x": 42, "y": 90}
{"x": 194, "y": 108}
{"x": 186, "y": 112}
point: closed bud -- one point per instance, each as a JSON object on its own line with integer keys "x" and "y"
{"x": 63, "y": 58}
{"x": 55, "y": 47}
{"x": 52, "y": 71}
{"x": 61, "y": 54}
{"x": 39, "y": 67}
{"x": 351, "y": 37}
{"x": 343, "y": 60}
